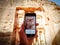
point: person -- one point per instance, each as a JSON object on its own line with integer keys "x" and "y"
{"x": 24, "y": 40}
{"x": 30, "y": 24}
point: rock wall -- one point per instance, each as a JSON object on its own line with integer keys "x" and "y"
{"x": 52, "y": 16}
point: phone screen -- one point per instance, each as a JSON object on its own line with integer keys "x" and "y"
{"x": 30, "y": 22}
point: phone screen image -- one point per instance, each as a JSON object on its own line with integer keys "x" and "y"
{"x": 30, "y": 21}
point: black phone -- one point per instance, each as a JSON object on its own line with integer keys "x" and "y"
{"x": 30, "y": 24}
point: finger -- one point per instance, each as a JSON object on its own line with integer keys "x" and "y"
{"x": 37, "y": 24}
{"x": 22, "y": 27}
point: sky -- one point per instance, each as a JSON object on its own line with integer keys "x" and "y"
{"x": 56, "y": 1}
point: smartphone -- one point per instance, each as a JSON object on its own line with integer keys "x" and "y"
{"x": 30, "y": 24}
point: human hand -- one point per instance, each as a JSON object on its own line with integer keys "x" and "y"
{"x": 24, "y": 40}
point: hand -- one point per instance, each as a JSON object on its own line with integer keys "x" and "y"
{"x": 23, "y": 38}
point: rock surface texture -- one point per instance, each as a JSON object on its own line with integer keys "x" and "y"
{"x": 51, "y": 16}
